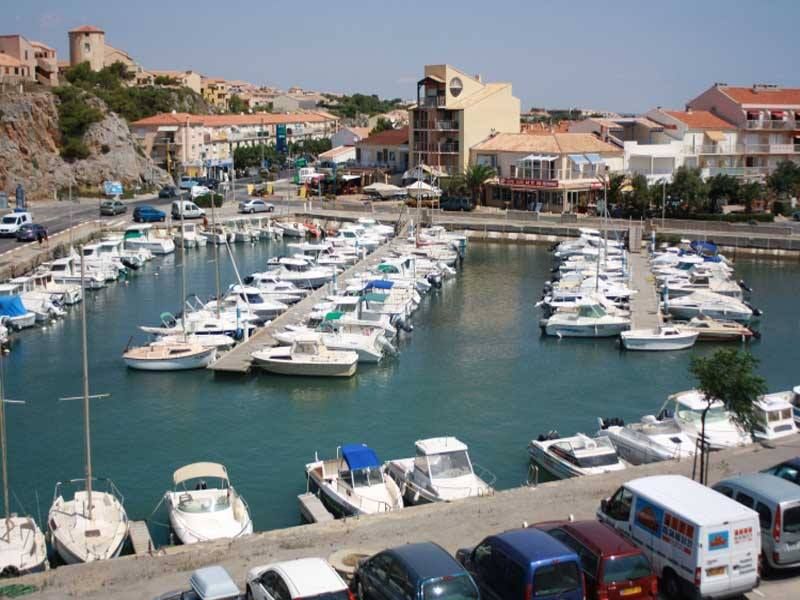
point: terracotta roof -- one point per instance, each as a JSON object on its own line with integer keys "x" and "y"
{"x": 556, "y": 143}
{"x": 390, "y": 137}
{"x": 361, "y": 132}
{"x": 229, "y": 120}
{"x": 339, "y": 150}
{"x": 86, "y": 29}
{"x": 763, "y": 96}
{"x": 546, "y": 129}
{"x": 7, "y": 60}
{"x": 41, "y": 45}
{"x": 169, "y": 119}
{"x": 699, "y": 119}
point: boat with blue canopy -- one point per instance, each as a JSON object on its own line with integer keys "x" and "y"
{"x": 11, "y": 307}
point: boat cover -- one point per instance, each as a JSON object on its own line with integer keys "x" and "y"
{"x": 704, "y": 248}
{"x": 11, "y": 306}
{"x": 375, "y": 298}
{"x": 360, "y": 456}
{"x": 333, "y": 315}
{"x": 198, "y": 470}
{"x": 380, "y": 284}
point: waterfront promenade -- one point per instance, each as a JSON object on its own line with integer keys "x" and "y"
{"x": 645, "y": 310}
{"x": 451, "y": 525}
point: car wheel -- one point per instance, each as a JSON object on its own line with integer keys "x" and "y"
{"x": 271, "y": 209}
{"x": 672, "y": 586}
{"x": 360, "y": 590}
{"x": 252, "y": 210}
{"x": 162, "y": 219}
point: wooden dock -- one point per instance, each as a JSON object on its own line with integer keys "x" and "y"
{"x": 239, "y": 359}
{"x": 312, "y": 509}
{"x": 645, "y": 305}
{"x": 140, "y": 538}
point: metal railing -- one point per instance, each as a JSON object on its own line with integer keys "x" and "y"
{"x": 738, "y": 171}
{"x": 432, "y": 101}
{"x": 436, "y": 125}
{"x": 742, "y": 148}
{"x": 779, "y": 124}
{"x": 446, "y": 124}
{"x": 436, "y": 148}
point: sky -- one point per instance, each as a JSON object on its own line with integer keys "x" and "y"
{"x": 622, "y": 55}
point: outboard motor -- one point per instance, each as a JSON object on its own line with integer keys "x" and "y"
{"x": 611, "y": 422}
{"x": 546, "y": 437}
{"x": 745, "y": 287}
{"x": 757, "y": 312}
{"x": 248, "y": 279}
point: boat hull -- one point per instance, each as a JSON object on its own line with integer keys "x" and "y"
{"x": 590, "y": 331}
{"x": 658, "y": 344}
{"x": 289, "y": 367}
{"x": 198, "y": 360}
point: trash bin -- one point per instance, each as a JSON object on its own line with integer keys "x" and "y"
{"x": 269, "y": 189}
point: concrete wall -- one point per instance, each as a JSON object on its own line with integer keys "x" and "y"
{"x": 345, "y": 137}
{"x": 715, "y": 101}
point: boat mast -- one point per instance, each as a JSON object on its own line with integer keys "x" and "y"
{"x": 5, "y": 459}
{"x": 86, "y": 424}
{"x": 216, "y": 251}
{"x": 183, "y": 272}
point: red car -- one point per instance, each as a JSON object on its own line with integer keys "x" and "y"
{"x": 615, "y": 569}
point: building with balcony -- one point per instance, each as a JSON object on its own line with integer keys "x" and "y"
{"x": 385, "y": 150}
{"x": 556, "y": 172}
{"x": 216, "y": 92}
{"x": 31, "y": 60}
{"x": 768, "y": 121}
{"x": 455, "y": 111}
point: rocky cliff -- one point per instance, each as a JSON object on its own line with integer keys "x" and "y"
{"x": 29, "y": 149}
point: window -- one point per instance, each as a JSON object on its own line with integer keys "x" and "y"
{"x": 791, "y": 519}
{"x": 399, "y": 582}
{"x": 764, "y": 515}
{"x": 451, "y": 588}
{"x": 274, "y": 586}
{"x": 87, "y": 47}
{"x": 744, "y": 499}
{"x": 556, "y": 579}
{"x": 724, "y": 490}
{"x": 450, "y": 464}
{"x": 619, "y": 506}
{"x": 625, "y": 568}
{"x": 589, "y": 560}
{"x": 788, "y": 472}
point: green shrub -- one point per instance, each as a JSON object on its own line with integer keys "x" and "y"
{"x": 74, "y": 149}
{"x": 736, "y": 217}
{"x": 75, "y": 117}
{"x": 779, "y": 207}
{"x": 205, "y": 200}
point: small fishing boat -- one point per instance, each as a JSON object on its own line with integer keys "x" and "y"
{"x": 66, "y": 271}
{"x": 441, "y": 471}
{"x": 354, "y": 483}
{"x": 774, "y": 418}
{"x": 649, "y": 440}
{"x": 142, "y": 236}
{"x": 189, "y": 236}
{"x": 664, "y": 338}
{"x": 291, "y": 229}
{"x": 11, "y": 307}
{"x": 300, "y": 271}
{"x": 717, "y": 330}
{"x": 590, "y": 320}
{"x": 565, "y": 457}
{"x": 710, "y": 304}
{"x": 365, "y": 339}
{"x": 166, "y": 356}
{"x": 307, "y": 356}
{"x": 199, "y": 512}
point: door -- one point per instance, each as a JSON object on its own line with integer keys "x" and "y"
{"x": 616, "y": 511}
{"x": 271, "y": 586}
{"x": 374, "y": 578}
{"x": 590, "y": 562}
{"x": 484, "y": 570}
{"x": 789, "y": 546}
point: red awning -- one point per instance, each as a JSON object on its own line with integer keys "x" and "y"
{"x": 777, "y": 114}
{"x": 753, "y": 115}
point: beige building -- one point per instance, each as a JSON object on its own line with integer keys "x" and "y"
{"x": 455, "y": 111}
{"x": 88, "y": 44}
{"x": 556, "y": 172}
{"x": 398, "y": 118}
{"x": 385, "y": 150}
{"x": 28, "y": 60}
{"x": 190, "y": 79}
{"x": 216, "y": 92}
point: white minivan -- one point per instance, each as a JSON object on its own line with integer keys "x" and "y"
{"x": 186, "y": 209}
{"x": 10, "y": 223}
{"x": 701, "y": 543}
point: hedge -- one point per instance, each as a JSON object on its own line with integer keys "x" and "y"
{"x": 735, "y": 217}
{"x": 204, "y": 201}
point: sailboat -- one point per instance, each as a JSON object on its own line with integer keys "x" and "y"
{"x": 93, "y": 524}
{"x": 22, "y": 546}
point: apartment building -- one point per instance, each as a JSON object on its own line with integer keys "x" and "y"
{"x": 455, "y": 111}
{"x": 387, "y": 150}
{"x": 29, "y": 60}
{"x": 190, "y": 79}
{"x": 555, "y": 172}
{"x": 768, "y": 121}
{"x": 216, "y": 92}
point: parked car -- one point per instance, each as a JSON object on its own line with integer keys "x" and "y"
{"x": 777, "y": 503}
{"x": 210, "y": 583}
{"x": 613, "y": 568}
{"x": 10, "y": 223}
{"x": 295, "y": 579}
{"x": 796, "y": 215}
{"x": 788, "y": 470}
{"x": 148, "y": 214}
{"x": 522, "y": 564}
{"x": 168, "y": 191}
{"x": 186, "y": 209}
{"x": 456, "y": 203}
{"x": 699, "y": 542}
{"x": 208, "y": 182}
{"x": 30, "y": 232}
{"x": 112, "y": 207}
{"x": 254, "y": 205}
{"x": 187, "y": 182}
{"x": 421, "y": 571}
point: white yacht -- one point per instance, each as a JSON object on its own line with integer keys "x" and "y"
{"x": 199, "y": 511}
{"x": 662, "y": 338}
{"x": 12, "y": 308}
{"x": 66, "y": 271}
{"x": 363, "y": 338}
{"x": 565, "y": 457}
{"x": 142, "y": 236}
{"x": 590, "y": 320}
{"x": 441, "y": 471}
{"x": 202, "y": 322}
{"x": 40, "y": 303}
{"x": 217, "y": 235}
{"x": 702, "y": 282}
{"x": 300, "y": 271}
{"x": 686, "y": 408}
{"x": 64, "y": 294}
{"x": 649, "y": 440}
{"x": 189, "y": 235}
{"x": 95, "y": 263}
{"x": 307, "y": 356}
{"x": 709, "y": 304}
{"x": 354, "y": 483}
{"x": 249, "y": 299}
{"x": 774, "y": 416}
{"x": 716, "y": 330}
{"x": 291, "y": 229}
{"x": 270, "y": 286}
{"x": 350, "y": 309}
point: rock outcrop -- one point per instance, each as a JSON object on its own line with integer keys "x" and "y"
{"x": 29, "y": 150}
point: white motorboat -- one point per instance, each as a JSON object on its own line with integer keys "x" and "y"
{"x": 203, "y": 512}
{"x": 441, "y": 471}
{"x": 774, "y": 417}
{"x": 270, "y": 286}
{"x": 65, "y": 271}
{"x": 686, "y": 408}
{"x": 220, "y": 342}
{"x": 354, "y": 483}
{"x": 793, "y": 397}
{"x": 590, "y": 320}
{"x": 663, "y": 338}
{"x": 40, "y": 303}
{"x": 709, "y": 304}
{"x": 217, "y": 235}
{"x": 307, "y": 356}
{"x": 64, "y": 294}
{"x": 250, "y": 299}
{"x": 142, "y": 236}
{"x": 649, "y": 440}
{"x": 350, "y": 309}
{"x": 170, "y": 356}
{"x": 106, "y": 265}
{"x": 189, "y": 236}
{"x": 291, "y": 229}
{"x": 15, "y": 312}
{"x": 702, "y": 282}
{"x": 365, "y": 339}
{"x": 202, "y": 322}
{"x": 300, "y": 271}
{"x": 716, "y": 330}
{"x": 565, "y": 457}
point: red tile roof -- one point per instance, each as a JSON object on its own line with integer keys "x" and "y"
{"x": 86, "y": 29}
{"x": 763, "y": 96}
{"x": 699, "y": 119}
{"x": 390, "y": 137}
{"x": 230, "y": 120}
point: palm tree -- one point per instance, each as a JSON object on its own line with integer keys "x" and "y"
{"x": 474, "y": 178}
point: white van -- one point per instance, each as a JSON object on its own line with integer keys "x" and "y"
{"x": 10, "y": 223}
{"x": 701, "y": 543}
{"x": 187, "y": 209}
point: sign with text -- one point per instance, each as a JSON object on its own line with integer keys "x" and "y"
{"x": 280, "y": 138}
{"x": 531, "y": 183}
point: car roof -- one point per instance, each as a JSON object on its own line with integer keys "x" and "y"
{"x": 213, "y": 583}
{"x": 309, "y": 576}
{"x": 767, "y": 486}
{"x": 598, "y": 536}
{"x": 529, "y": 545}
{"x": 426, "y": 560}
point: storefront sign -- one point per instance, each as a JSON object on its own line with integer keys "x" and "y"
{"x": 531, "y": 183}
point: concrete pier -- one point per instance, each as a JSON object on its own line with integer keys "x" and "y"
{"x": 645, "y": 306}
{"x": 312, "y": 509}
{"x": 140, "y": 538}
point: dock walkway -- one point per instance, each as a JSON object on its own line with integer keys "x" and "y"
{"x": 140, "y": 538}
{"x": 312, "y": 509}
{"x": 239, "y": 359}
{"x": 645, "y": 307}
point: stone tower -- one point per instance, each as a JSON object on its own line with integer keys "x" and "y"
{"x": 87, "y": 44}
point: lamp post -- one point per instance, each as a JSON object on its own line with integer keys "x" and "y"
{"x": 663, "y": 200}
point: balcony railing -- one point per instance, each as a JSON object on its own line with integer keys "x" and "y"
{"x": 777, "y": 124}
{"x": 737, "y": 171}
{"x": 436, "y": 148}
{"x": 551, "y": 178}
{"x": 447, "y": 125}
{"x": 743, "y": 149}
{"x": 432, "y": 101}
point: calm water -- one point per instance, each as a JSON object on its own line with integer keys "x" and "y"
{"x": 475, "y": 367}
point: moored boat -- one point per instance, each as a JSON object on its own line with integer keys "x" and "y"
{"x": 174, "y": 356}
{"x": 307, "y": 356}
{"x": 573, "y": 456}
{"x": 663, "y": 338}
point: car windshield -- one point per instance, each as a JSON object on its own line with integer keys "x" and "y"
{"x": 625, "y": 568}
{"x": 597, "y": 460}
{"x": 556, "y": 578}
{"x": 107, "y": 203}
{"x": 715, "y": 414}
{"x": 459, "y": 587}
{"x": 9, "y": 219}
{"x": 26, "y": 227}
{"x": 449, "y": 464}
{"x": 791, "y": 520}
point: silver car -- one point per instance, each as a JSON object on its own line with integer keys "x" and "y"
{"x": 254, "y": 205}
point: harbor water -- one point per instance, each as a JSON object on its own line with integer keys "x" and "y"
{"x": 475, "y": 367}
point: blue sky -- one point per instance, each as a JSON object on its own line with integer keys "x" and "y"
{"x": 620, "y": 55}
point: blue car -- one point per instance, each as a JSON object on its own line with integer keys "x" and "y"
{"x": 31, "y": 232}
{"x": 788, "y": 470}
{"x": 524, "y": 563}
{"x": 148, "y": 214}
{"x": 422, "y": 571}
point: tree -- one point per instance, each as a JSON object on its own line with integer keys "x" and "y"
{"x": 689, "y": 188}
{"x": 474, "y": 178}
{"x": 727, "y": 376}
{"x": 616, "y": 183}
{"x": 382, "y": 124}
{"x": 637, "y": 200}
{"x": 784, "y": 181}
{"x": 722, "y": 187}
{"x": 236, "y": 105}
{"x": 750, "y": 192}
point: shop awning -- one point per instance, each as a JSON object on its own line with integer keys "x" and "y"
{"x": 595, "y": 159}
{"x": 753, "y": 115}
{"x": 578, "y": 159}
{"x": 777, "y": 114}
{"x": 716, "y": 136}
{"x": 539, "y": 157}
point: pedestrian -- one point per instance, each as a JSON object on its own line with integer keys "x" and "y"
{"x": 39, "y": 236}
{"x": 205, "y": 222}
